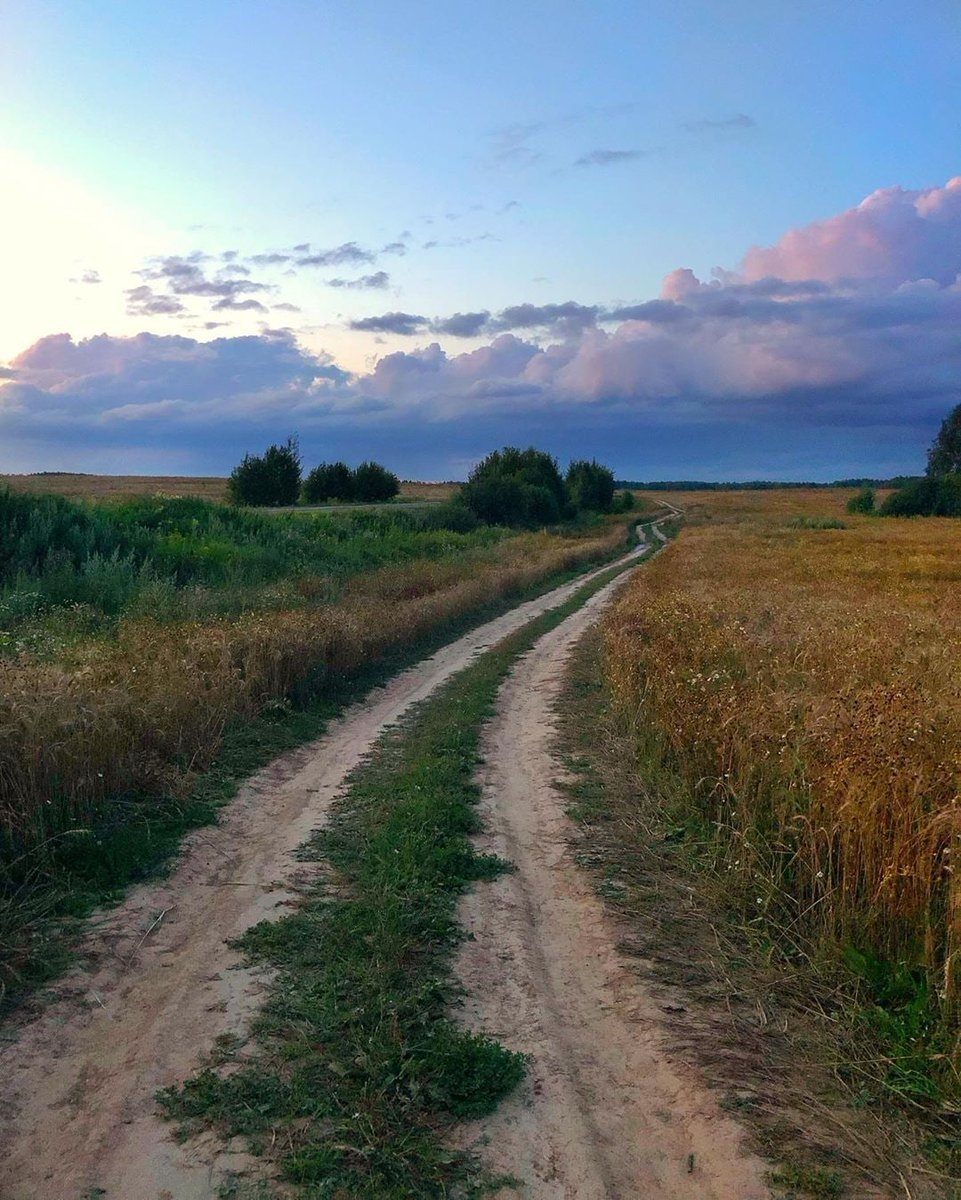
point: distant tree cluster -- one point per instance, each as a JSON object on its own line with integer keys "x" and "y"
{"x": 370, "y": 482}
{"x": 273, "y": 479}
{"x": 526, "y": 488}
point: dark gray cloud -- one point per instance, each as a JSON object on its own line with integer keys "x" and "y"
{"x": 468, "y": 324}
{"x": 605, "y": 158}
{"x": 143, "y": 301}
{"x": 658, "y": 312}
{"x": 565, "y": 318}
{"x": 378, "y": 281}
{"x": 185, "y": 276}
{"x": 405, "y": 324}
{"x": 347, "y": 254}
{"x": 233, "y": 304}
{"x": 721, "y": 125}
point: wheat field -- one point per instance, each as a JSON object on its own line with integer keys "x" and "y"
{"x": 800, "y": 670}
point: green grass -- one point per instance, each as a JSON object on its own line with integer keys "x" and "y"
{"x": 70, "y": 569}
{"x": 356, "y": 1069}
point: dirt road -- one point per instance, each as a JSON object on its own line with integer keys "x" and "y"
{"x": 605, "y": 1114}
{"x": 158, "y": 983}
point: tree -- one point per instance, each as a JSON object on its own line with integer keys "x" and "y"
{"x": 930, "y": 496}
{"x": 329, "y": 481}
{"x": 516, "y": 487}
{"x": 270, "y": 479}
{"x": 590, "y": 486}
{"x": 374, "y": 482}
{"x": 944, "y": 457}
{"x": 863, "y": 502}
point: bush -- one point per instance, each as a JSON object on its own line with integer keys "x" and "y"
{"x": 375, "y": 483}
{"x": 590, "y": 486}
{"x": 932, "y": 496}
{"x": 625, "y": 502}
{"x": 863, "y": 502}
{"x": 516, "y": 487}
{"x": 270, "y": 480}
{"x": 329, "y": 481}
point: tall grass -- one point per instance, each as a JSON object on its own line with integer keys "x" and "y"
{"x": 804, "y": 682}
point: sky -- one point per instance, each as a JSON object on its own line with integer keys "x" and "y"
{"x": 715, "y": 240}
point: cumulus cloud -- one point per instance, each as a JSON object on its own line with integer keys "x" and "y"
{"x": 892, "y": 237}
{"x": 850, "y": 321}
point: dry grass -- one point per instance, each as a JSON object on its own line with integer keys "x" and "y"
{"x": 204, "y": 487}
{"x": 805, "y": 684}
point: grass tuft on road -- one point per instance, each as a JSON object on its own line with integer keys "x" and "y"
{"x": 355, "y": 1068}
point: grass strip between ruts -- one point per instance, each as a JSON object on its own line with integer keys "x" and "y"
{"x": 355, "y": 1069}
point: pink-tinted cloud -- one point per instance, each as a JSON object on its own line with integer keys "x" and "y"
{"x": 892, "y": 237}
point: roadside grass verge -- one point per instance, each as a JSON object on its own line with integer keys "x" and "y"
{"x": 124, "y": 828}
{"x": 785, "y": 1033}
{"x": 355, "y": 1069}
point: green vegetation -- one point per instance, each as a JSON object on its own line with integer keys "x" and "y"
{"x": 524, "y": 488}
{"x": 358, "y": 1070}
{"x": 375, "y": 483}
{"x": 932, "y": 496}
{"x": 590, "y": 486}
{"x": 938, "y": 493}
{"x": 944, "y": 457}
{"x": 516, "y": 487}
{"x": 269, "y": 479}
{"x": 328, "y": 481}
{"x": 73, "y": 568}
{"x": 863, "y": 502}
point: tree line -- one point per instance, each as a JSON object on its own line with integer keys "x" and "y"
{"x": 521, "y": 488}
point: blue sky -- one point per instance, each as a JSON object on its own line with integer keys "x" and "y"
{"x": 511, "y": 155}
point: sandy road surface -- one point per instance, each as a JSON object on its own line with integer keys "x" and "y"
{"x": 605, "y": 1113}
{"x": 158, "y": 984}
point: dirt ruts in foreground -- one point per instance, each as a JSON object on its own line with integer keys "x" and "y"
{"x": 605, "y": 1114}
{"x": 158, "y": 983}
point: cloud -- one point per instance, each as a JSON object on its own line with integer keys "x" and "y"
{"x": 379, "y": 280}
{"x": 394, "y": 248}
{"x": 724, "y": 125}
{"x": 468, "y": 324}
{"x": 143, "y": 301}
{"x": 799, "y": 342}
{"x": 185, "y": 276}
{"x": 892, "y": 237}
{"x": 605, "y": 158}
{"x": 347, "y": 254}
{"x": 232, "y": 304}
{"x": 88, "y": 276}
{"x": 566, "y": 318}
{"x": 405, "y": 324}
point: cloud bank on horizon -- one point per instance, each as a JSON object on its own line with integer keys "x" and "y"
{"x": 850, "y": 322}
